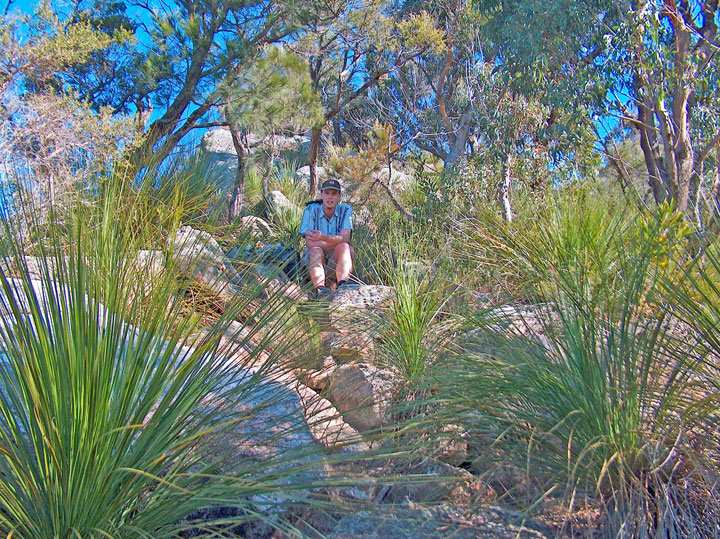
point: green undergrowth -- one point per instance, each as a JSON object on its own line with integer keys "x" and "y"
{"x": 106, "y": 429}
{"x": 123, "y": 411}
{"x": 603, "y": 401}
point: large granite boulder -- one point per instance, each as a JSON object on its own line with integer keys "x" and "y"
{"x": 278, "y": 204}
{"x": 354, "y": 307}
{"x": 326, "y": 425}
{"x": 363, "y": 393}
{"x": 218, "y": 141}
{"x": 302, "y": 175}
{"x": 219, "y": 152}
{"x": 150, "y": 264}
{"x": 433, "y": 481}
{"x": 197, "y": 254}
{"x": 397, "y": 181}
{"x": 256, "y": 226}
{"x": 316, "y": 374}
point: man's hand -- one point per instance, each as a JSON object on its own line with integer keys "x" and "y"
{"x": 315, "y": 235}
{"x": 315, "y": 238}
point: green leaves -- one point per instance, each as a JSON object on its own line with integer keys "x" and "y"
{"x": 273, "y": 94}
{"x": 50, "y": 47}
{"x": 114, "y": 405}
{"x": 420, "y": 31}
{"x": 574, "y": 245}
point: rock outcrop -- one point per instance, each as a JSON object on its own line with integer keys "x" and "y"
{"x": 308, "y": 419}
{"x": 415, "y": 522}
{"x": 279, "y": 204}
{"x": 353, "y": 307}
{"x": 398, "y": 180}
{"x": 219, "y": 151}
{"x": 199, "y": 256}
{"x": 364, "y": 394}
{"x": 302, "y": 175}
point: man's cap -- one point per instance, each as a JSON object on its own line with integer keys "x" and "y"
{"x": 331, "y": 184}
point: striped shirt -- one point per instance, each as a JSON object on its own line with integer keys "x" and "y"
{"x": 314, "y": 218}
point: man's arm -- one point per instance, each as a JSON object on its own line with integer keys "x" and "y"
{"x": 315, "y": 238}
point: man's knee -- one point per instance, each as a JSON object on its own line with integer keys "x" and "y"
{"x": 315, "y": 255}
{"x": 342, "y": 249}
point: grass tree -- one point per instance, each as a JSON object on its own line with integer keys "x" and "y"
{"x": 605, "y": 399}
{"x": 114, "y": 405}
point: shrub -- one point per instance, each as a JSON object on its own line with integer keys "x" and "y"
{"x": 608, "y": 403}
{"x": 418, "y": 325}
{"x": 576, "y": 242}
{"x": 113, "y": 407}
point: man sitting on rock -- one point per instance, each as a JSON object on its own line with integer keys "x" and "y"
{"x": 327, "y": 226}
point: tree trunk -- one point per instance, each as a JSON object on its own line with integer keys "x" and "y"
{"x": 404, "y": 211}
{"x": 235, "y": 202}
{"x": 337, "y": 133}
{"x": 270, "y": 167}
{"x": 504, "y": 190}
{"x": 165, "y": 125}
{"x": 649, "y": 145}
{"x": 313, "y": 158}
{"x": 677, "y": 149}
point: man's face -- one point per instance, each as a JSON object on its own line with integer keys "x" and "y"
{"x": 330, "y": 198}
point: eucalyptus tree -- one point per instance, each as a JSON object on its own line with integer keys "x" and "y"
{"x": 351, "y": 45}
{"x": 652, "y": 64}
{"x": 431, "y": 98}
{"x": 457, "y": 104}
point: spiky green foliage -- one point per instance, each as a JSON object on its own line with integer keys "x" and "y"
{"x": 114, "y": 407}
{"x": 575, "y": 241}
{"x": 696, "y": 302}
{"x": 418, "y": 325}
{"x": 275, "y": 94}
{"x": 185, "y": 190}
{"x": 285, "y": 180}
{"x": 593, "y": 402}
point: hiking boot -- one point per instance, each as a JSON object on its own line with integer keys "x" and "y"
{"x": 341, "y": 284}
{"x": 322, "y": 292}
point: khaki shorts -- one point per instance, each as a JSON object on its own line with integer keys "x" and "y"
{"x": 328, "y": 259}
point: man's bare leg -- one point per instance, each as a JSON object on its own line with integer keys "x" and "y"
{"x": 343, "y": 261}
{"x": 316, "y": 266}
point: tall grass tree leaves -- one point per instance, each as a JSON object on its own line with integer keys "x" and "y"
{"x": 598, "y": 393}
{"x": 111, "y": 399}
{"x": 574, "y": 241}
{"x": 695, "y": 301}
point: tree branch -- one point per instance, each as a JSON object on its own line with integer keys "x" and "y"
{"x": 705, "y": 152}
{"x": 439, "y": 91}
